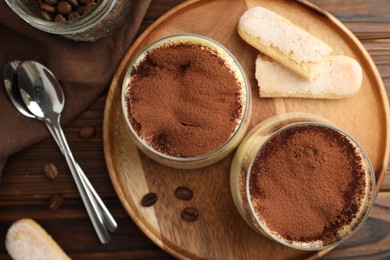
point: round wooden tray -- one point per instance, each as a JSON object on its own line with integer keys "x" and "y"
{"x": 220, "y": 232}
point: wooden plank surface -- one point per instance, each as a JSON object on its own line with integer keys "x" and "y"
{"x": 25, "y": 191}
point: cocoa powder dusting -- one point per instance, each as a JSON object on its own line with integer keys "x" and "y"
{"x": 307, "y": 182}
{"x": 184, "y": 101}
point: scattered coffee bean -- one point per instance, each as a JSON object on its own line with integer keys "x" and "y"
{"x": 183, "y": 193}
{"x": 149, "y": 199}
{"x": 70, "y": 9}
{"x": 55, "y": 202}
{"x": 87, "y": 132}
{"x": 189, "y": 214}
{"x": 50, "y": 170}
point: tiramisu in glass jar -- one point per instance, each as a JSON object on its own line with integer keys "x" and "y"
{"x": 302, "y": 182}
{"x": 186, "y": 101}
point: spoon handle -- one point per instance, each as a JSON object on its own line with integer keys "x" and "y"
{"x": 108, "y": 219}
{"x": 86, "y": 195}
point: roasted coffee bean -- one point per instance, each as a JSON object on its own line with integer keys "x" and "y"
{"x": 87, "y": 132}
{"x": 80, "y": 9}
{"x": 64, "y": 7}
{"x": 59, "y": 18}
{"x": 51, "y": 2}
{"x": 55, "y": 202}
{"x": 149, "y": 199}
{"x": 85, "y": 2}
{"x": 50, "y": 170}
{"x": 73, "y": 15}
{"x": 74, "y": 3}
{"x": 88, "y": 7}
{"x": 189, "y": 214}
{"x": 48, "y": 8}
{"x": 183, "y": 193}
{"x": 45, "y": 15}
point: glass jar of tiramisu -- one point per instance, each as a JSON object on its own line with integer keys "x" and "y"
{"x": 186, "y": 101}
{"x": 302, "y": 182}
{"x": 79, "y": 24}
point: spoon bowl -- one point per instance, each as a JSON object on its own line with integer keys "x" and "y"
{"x": 11, "y": 87}
{"x": 40, "y": 90}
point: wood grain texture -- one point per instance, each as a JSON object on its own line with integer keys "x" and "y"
{"x": 25, "y": 192}
{"x": 220, "y": 232}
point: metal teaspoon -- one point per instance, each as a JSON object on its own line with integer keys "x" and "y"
{"x": 11, "y": 86}
{"x": 43, "y": 96}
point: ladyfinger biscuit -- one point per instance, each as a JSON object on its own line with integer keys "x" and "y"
{"x": 283, "y": 41}
{"x": 26, "y": 239}
{"x": 340, "y": 77}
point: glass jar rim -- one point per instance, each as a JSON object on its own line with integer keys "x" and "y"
{"x": 82, "y": 23}
{"x": 342, "y": 239}
{"x": 162, "y": 40}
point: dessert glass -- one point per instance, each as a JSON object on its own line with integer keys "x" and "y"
{"x": 237, "y": 135}
{"x": 241, "y": 171}
{"x": 99, "y": 22}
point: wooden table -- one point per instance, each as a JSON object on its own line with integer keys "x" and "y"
{"x": 26, "y": 192}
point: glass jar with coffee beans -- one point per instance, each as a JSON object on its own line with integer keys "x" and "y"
{"x": 80, "y": 20}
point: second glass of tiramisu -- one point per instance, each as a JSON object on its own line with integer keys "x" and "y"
{"x": 302, "y": 182}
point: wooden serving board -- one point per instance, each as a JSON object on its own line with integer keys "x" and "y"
{"x": 220, "y": 232}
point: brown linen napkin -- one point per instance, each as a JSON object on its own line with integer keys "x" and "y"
{"x": 84, "y": 70}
